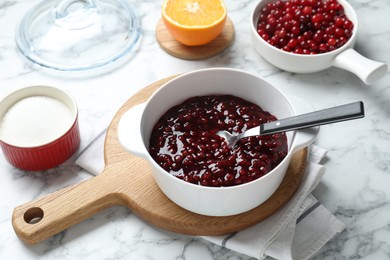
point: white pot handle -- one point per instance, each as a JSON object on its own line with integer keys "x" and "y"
{"x": 303, "y": 137}
{"x": 129, "y": 131}
{"x": 367, "y": 70}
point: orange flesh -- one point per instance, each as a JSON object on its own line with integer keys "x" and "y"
{"x": 199, "y": 13}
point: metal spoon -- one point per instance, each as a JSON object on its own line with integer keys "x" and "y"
{"x": 326, "y": 116}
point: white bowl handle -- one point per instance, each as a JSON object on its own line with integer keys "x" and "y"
{"x": 367, "y": 70}
{"x": 129, "y": 131}
{"x": 303, "y": 137}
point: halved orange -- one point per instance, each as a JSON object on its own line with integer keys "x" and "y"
{"x": 194, "y": 22}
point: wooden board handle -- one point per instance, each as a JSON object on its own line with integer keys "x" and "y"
{"x": 40, "y": 219}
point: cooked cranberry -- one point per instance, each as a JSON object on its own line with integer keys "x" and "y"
{"x": 184, "y": 143}
{"x": 320, "y": 21}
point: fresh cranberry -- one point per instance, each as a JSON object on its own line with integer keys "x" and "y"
{"x": 184, "y": 143}
{"x": 317, "y": 18}
{"x": 322, "y": 23}
{"x": 292, "y": 43}
{"x": 307, "y": 10}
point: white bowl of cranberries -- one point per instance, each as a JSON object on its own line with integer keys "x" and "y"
{"x": 175, "y": 130}
{"x": 305, "y": 36}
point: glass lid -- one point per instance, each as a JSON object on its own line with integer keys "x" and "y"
{"x": 75, "y": 35}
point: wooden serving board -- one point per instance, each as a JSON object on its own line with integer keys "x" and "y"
{"x": 179, "y": 50}
{"x": 127, "y": 180}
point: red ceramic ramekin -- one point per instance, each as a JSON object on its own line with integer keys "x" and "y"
{"x": 43, "y": 154}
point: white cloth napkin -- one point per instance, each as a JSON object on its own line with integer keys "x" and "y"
{"x": 296, "y": 231}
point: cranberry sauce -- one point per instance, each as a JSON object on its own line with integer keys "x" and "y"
{"x": 305, "y": 26}
{"x": 184, "y": 143}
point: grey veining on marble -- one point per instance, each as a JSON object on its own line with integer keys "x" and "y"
{"x": 355, "y": 187}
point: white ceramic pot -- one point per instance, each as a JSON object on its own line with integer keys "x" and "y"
{"x": 344, "y": 57}
{"x": 136, "y": 125}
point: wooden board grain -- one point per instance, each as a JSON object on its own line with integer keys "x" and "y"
{"x": 127, "y": 180}
{"x": 179, "y": 50}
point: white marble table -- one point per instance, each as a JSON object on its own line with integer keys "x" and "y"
{"x": 355, "y": 187}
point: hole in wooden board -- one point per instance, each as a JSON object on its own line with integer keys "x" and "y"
{"x": 33, "y": 215}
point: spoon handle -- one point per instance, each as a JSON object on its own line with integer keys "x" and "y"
{"x": 326, "y": 116}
